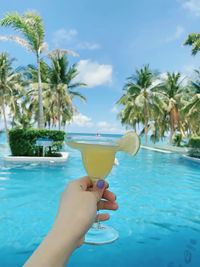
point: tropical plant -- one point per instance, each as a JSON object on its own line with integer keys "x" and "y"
{"x": 58, "y": 89}
{"x": 138, "y": 94}
{"x": 177, "y": 140}
{"x": 30, "y": 25}
{"x": 23, "y": 141}
{"x": 30, "y": 102}
{"x": 131, "y": 114}
{"x": 191, "y": 108}
{"x": 170, "y": 91}
{"x": 194, "y": 146}
{"x": 193, "y": 40}
{"x": 10, "y": 86}
{"x": 62, "y": 88}
{"x": 158, "y": 125}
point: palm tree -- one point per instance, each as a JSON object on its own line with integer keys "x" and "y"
{"x": 131, "y": 114}
{"x": 191, "y": 109}
{"x": 31, "y": 26}
{"x": 158, "y": 124}
{"x": 61, "y": 84}
{"x": 9, "y": 86}
{"x": 171, "y": 91}
{"x": 194, "y": 41}
{"x": 137, "y": 89}
{"x": 57, "y": 86}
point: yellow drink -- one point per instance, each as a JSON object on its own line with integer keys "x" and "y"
{"x": 97, "y": 159}
{"x": 98, "y": 156}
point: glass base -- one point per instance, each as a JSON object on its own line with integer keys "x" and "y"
{"x": 100, "y": 234}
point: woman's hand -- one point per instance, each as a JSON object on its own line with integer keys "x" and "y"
{"x": 79, "y": 204}
{"x": 76, "y": 213}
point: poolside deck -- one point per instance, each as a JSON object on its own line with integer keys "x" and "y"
{"x": 165, "y": 148}
{"x": 63, "y": 158}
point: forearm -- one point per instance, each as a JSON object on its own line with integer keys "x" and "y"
{"x": 54, "y": 251}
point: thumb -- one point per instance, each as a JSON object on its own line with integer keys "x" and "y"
{"x": 99, "y": 188}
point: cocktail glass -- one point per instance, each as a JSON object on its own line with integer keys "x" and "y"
{"x": 98, "y": 155}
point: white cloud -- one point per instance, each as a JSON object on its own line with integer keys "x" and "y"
{"x": 105, "y": 127}
{"x": 178, "y": 33}
{"x": 87, "y": 46}
{"x": 110, "y": 129}
{"x": 114, "y": 109}
{"x": 83, "y": 123}
{"x": 93, "y": 73}
{"x": 103, "y": 124}
{"x": 193, "y": 6}
{"x": 62, "y": 37}
{"x": 188, "y": 69}
{"x": 82, "y": 120}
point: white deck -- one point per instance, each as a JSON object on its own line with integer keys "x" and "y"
{"x": 38, "y": 159}
{"x": 191, "y": 158}
{"x": 156, "y": 149}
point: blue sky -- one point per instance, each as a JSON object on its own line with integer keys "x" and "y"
{"x": 112, "y": 38}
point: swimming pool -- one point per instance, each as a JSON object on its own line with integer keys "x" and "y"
{"x": 158, "y": 218}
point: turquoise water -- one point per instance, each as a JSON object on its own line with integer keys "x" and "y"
{"x": 158, "y": 218}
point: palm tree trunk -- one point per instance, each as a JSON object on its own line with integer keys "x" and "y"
{"x": 145, "y": 122}
{"x": 4, "y": 117}
{"x": 154, "y": 138}
{"x": 171, "y": 128}
{"x": 134, "y": 126}
{"x": 173, "y": 117}
{"x": 59, "y": 121}
{"x": 40, "y": 100}
{"x": 171, "y": 136}
{"x": 12, "y": 124}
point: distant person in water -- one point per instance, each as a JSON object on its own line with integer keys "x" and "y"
{"x": 116, "y": 162}
{"x": 97, "y": 134}
{"x": 76, "y": 213}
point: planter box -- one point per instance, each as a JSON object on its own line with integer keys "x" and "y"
{"x": 15, "y": 159}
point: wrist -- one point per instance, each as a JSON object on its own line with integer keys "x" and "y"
{"x": 66, "y": 234}
{"x": 55, "y": 250}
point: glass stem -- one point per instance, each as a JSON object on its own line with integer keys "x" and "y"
{"x": 98, "y": 222}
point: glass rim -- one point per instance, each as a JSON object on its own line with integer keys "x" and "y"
{"x": 92, "y": 139}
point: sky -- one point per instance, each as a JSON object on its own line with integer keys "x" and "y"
{"x": 112, "y": 38}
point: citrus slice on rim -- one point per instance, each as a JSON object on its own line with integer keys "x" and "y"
{"x": 129, "y": 143}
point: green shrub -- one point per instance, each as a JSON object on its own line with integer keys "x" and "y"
{"x": 177, "y": 140}
{"x": 194, "y": 147}
{"x": 23, "y": 141}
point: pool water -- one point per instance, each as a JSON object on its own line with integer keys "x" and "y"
{"x": 158, "y": 218}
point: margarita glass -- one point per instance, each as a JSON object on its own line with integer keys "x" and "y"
{"x": 98, "y": 156}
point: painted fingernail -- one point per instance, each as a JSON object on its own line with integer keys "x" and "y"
{"x": 100, "y": 183}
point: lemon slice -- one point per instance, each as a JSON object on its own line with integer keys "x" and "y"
{"x": 129, "y": 143}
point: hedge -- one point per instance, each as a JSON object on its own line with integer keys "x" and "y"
{"x": 194, "y": 147}
{"x": 23, "y": 141}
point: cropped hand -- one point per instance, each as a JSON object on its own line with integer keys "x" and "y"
{"x": 76, "y": 213}
{"x": 78, "y": 206}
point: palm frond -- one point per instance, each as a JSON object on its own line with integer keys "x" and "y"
{"x": 19, "y": 41}
{"x": 60, "y": 52}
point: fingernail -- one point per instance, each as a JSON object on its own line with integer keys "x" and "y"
{"x": 100, "y": 183}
